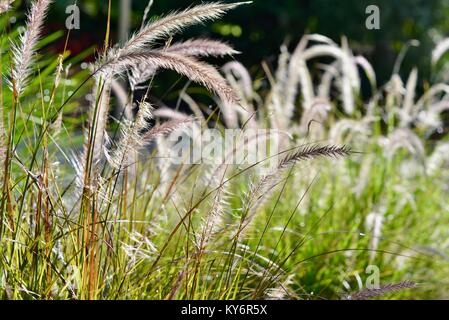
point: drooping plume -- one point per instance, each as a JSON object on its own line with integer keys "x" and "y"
{"x": 189, "y": 67}
{"x": 192, "y": 48}
{"x": 367, "y": 294}
{"x": 261, "y": 191}
{"x": 175, "y": 22}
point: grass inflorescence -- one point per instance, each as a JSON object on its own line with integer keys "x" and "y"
{"x": 92, "y": 208}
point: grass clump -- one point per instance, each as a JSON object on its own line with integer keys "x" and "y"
{"x": 91, "y": 208}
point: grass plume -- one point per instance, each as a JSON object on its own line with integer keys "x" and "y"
{"x": 5, "y": 5}
{"x": 23, "y": 52}
{"x": 175, "y": 22}
{"x": 367, "y": 294}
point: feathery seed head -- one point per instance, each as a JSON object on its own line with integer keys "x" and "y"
{"x": 23, "y": 52}
{"x": 367, "y": 294}
{"x": 5, "y": 5}
{"x": 175, "y": 22}
{"x": 312, "y": 152}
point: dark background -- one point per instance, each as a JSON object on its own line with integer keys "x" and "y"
{"x": 259, "y": 29}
